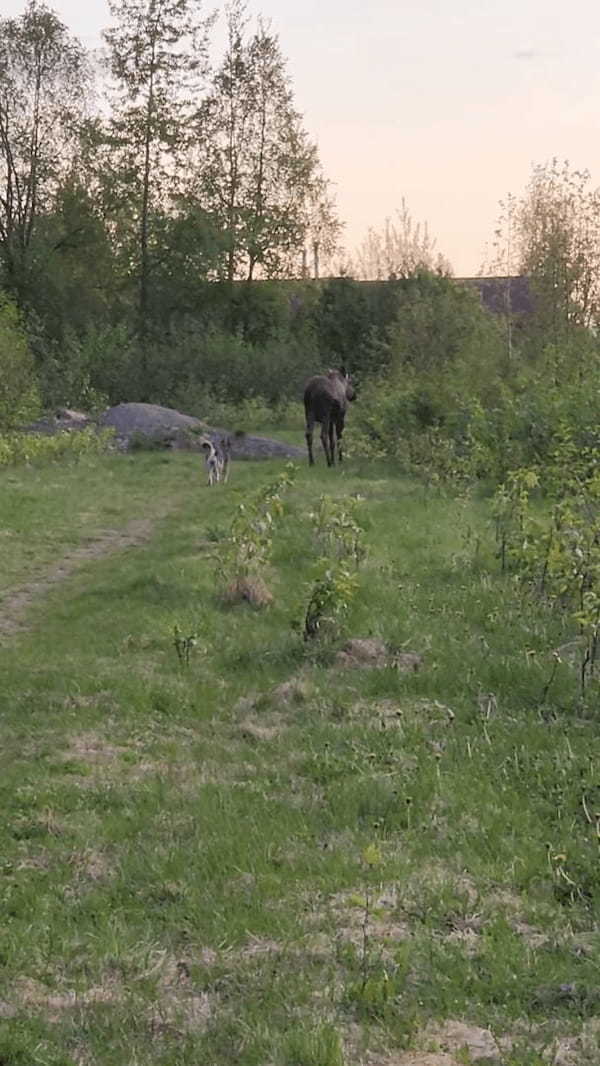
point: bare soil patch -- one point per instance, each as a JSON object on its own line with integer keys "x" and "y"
{"x": 94, "y": 749}
{"x": 178, "y": 1006}
{"x": 33, "y": 995}
{"x": 413, "y": 1058}
{"x": 452, "y": 1044}
{"x": 293, "y": 692}
{"x": 370, "y": 653}
{"x": 479, "y": 1044}
{"x": 384, "y": 928}
{"x": 254, "y": 730}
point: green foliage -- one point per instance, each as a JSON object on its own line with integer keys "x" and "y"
{"x": 251, "y": 537}
{"x": 510, "y": 509}
{"x": 331, "y": 596}
{"x": 439, "y": 323}
{"x": 19, "y": 397}
{"x": 340, "y": 538}
{"x": 250, "y": 415}
{"x": 216, "y": 367}
{"x": 37, "y": 447}
{"x": 76, "y": 283}
{"x": 558, "y": 231}
{"x": 337, "y": 529}
{"x": 378, "y": 998}
{"x": 314, "y": 1045}
{"x": 376, "y": 994}
{"x": 45, "y": 79}
{"x": 474, "y": 419}
{"x": 558, "y": 557}
{"x": 259, "y": 172}
{"x": 343, "y": 321}
{"x": 157, "y": 56}
{"x": 184, "y": 644}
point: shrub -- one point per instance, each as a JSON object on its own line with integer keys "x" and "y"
{"x": 249, "y": 549}
{"x": 34, "y": 447}
{"x": 19, "y": 394}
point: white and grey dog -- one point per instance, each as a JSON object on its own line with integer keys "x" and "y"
{"x": 216, "y": 459}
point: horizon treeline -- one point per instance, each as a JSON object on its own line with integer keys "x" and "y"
{"x": 161, "y": 212}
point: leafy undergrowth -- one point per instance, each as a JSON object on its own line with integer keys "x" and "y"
{"x": 247, "y": 854}
{"x": 17, "y": 448}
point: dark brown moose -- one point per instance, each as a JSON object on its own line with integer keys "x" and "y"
{"x": 326, "y": 399}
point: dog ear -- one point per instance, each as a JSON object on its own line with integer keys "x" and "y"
{"x": 344, "y": 372}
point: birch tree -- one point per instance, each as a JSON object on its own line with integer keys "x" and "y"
{"x": 44, "y": 84}
{"x": 398, "y": 250}
{"x": 158, "y": 58}
{"x": 257, "y": 169}
{"x": 559, "y": 244}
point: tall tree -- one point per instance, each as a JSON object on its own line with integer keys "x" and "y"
{"x": 157, "y": 51}
{"x": 559, "y": 243}
{"x": 257, "y": 169}
{"x": 225, "y": 132}
{"x": 44, "y": 83}
{"x": 399, "y": 250}
{"x": 323, "y": 227}
{"x": 506, "y": 262}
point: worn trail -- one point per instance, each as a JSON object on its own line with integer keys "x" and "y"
{"x": 15, "y": 603}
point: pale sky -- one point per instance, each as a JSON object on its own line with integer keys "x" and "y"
{"x": 445, "y": 102}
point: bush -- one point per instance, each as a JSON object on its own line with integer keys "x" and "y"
{"x": 455, "y": 430}
{"x": 35, "y": 447}
{"x": 452, "y": 405}
{"x": 19, "y": 394}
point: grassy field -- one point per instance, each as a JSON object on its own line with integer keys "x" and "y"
{"x": 206, "y": 865}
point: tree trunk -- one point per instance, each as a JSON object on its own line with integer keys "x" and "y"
{"x": 144, "y": 253}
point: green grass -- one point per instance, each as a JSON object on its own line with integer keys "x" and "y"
{"x": 49, "y": 508}
{"x": 181, "y": 860}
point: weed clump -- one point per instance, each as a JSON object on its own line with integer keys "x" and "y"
{"x": 251, "y": 589}
{"x": 336, "y": 583}
{"x": 250, "y": 544}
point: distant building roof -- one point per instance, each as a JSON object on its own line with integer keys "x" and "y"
{"x": 500, "y": 294}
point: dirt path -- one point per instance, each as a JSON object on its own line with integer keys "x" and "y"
{"x": 15, "y": 602}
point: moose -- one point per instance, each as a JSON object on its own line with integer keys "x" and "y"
{"x": 326, "y": 399}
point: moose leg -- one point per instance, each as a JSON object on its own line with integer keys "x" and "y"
{"x": 325, "y": 441}
{"x": 310, "y": 425}
{"x": 339, "y": 431}
{"x": 332, "y": 428}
